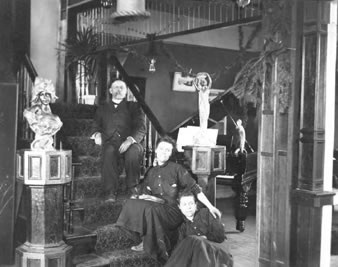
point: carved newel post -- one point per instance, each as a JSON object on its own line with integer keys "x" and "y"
{"x": 204, "y": 156}
{"x": 44, "y": 170}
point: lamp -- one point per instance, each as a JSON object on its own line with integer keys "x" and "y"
{"x": 152, "y": 53}
{"x": 242, "y": 3}
{"x": 107, "y": 3}
{"x": 130, "y": 10}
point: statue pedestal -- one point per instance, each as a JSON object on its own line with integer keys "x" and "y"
{"x": 205, "y": 161}
{"x": 44, "y": 173}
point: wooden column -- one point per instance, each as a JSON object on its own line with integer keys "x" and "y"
{"x": 313, "y": 197}
{"x": 274, "y": 184}
{"x": 296, "y": 143}
{"x": 273, "y": 178}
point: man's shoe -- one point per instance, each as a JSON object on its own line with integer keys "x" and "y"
{"x": 110, "y": 199}
{"x": 133, "y": 192}
{"x": 139, "y": 247}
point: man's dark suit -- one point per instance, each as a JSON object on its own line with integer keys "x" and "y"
{"x": 115, "y": 125}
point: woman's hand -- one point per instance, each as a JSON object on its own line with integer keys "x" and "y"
{"x": 215, "y": 212}
{"x": 151, "y": 198}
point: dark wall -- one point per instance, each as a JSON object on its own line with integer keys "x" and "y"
{"x": 172, "y": 107}
{"x": 8, "y": 112}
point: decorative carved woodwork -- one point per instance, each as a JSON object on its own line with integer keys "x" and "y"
{"x": 205, "y": 161}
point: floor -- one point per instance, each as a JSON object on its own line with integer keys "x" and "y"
{"x": 243, "y": 245}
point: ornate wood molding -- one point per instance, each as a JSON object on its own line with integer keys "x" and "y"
{"x": 312, "y": 198}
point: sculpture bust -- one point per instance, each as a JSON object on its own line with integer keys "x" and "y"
{"x": 39, "y": 116}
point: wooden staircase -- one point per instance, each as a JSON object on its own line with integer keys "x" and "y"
{"x": 90, "y": 229}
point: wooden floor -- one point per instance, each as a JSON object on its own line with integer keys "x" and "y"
{"x": 243, "y": 245}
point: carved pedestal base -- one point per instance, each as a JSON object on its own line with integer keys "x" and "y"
{"x": 205, "y": 161}
{"x": 44, "y": 173}
{"x": 33, "y": 255}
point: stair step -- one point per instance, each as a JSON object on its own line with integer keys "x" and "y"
{"x": 90, "y": 260}
{"x": 130, "y": 258}
{"x": 82, "y": 240}
{"x": 117, "y": 258}
{"x": 79, "y": 111}
{"x": 90, "y": 166}
{"x": 97, "y": 215}
{"x": 102, "y": 213}
{"x": 91, "y": 187}
{"x": 87, "y": 187}
{"x": 77, "y": 127}
{"x": 96, "y": 212}
{"x": 111, "y": 238}
{"x": 112, "y": 248}
{"x": 81, "y": 145}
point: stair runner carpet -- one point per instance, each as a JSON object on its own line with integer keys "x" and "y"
{"x": 95, "y": 240}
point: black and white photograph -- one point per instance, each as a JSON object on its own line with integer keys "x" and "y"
{"x": 168, "y": 133}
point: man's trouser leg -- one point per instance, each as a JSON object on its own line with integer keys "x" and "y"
{"x": 110, "y": 173}
{"x": 133, "y": 161}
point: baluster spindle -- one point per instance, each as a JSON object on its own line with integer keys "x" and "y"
{"x": 149, "y": 145}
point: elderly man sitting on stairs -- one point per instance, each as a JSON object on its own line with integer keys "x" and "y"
{"x": 119, "y": 127}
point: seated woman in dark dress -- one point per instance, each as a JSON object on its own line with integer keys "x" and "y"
{"x": 155, "y": 214}
{"x": 201, "y": 238}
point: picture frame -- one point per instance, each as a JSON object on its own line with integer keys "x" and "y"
{"x": 183, "y": 82}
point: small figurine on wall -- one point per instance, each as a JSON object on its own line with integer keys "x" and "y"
{"x": 39, "y": 116}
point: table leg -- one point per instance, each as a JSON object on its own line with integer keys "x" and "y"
{"x": 241, "y": 210}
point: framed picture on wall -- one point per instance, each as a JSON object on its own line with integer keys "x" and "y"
{"x": 183, "y": 82}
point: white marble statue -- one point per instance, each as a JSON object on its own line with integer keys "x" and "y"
{"x": 203, "y": 82}
{"x": 39, "y": 116}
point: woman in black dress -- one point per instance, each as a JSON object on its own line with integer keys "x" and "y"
{"x": 201, "y": 241}
{"x": 155, "y": 214}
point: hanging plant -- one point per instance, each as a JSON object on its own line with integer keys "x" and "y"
{"x": 250, "y": 80}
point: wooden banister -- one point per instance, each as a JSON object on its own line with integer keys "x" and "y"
{"x": 25, "y": 78}
{"x": 29, "y": 67}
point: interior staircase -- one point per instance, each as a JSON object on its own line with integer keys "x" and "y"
{"x": 89, "y": 221}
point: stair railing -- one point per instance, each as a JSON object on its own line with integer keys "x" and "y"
{"x": 168, "y": 17}
{"x": 25, "y": 78}
{"x": 149, "y": 144}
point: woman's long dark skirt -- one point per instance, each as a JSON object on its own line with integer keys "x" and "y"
{"x": 156, "y": 223}
{"x": 196, "y": 251}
